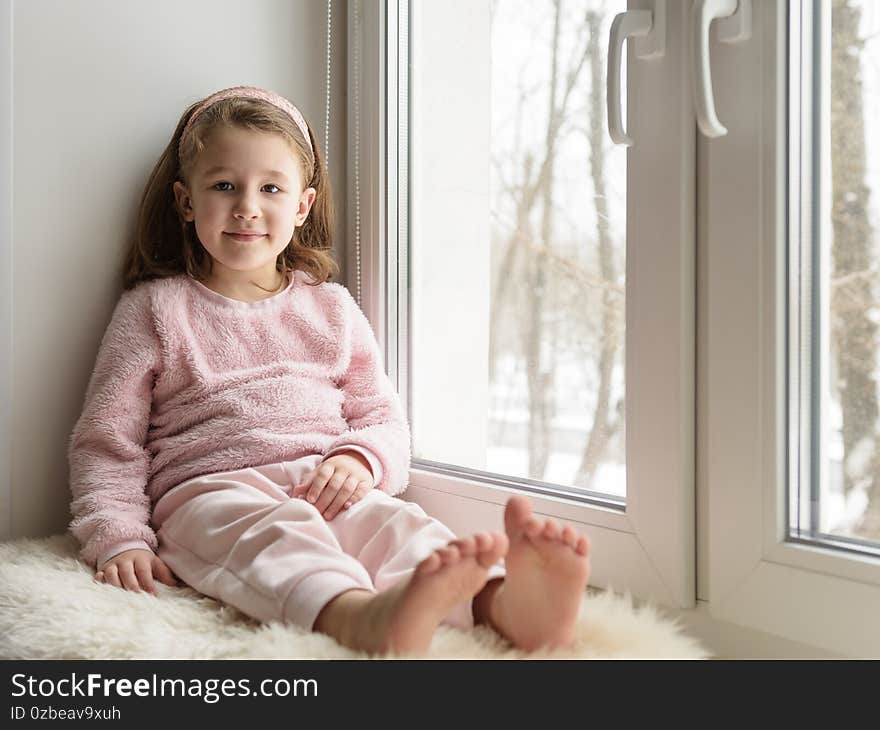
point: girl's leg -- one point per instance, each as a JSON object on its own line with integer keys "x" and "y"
{"x": 538, "y": 603}
{"x": 403, "y": 618}
{"x": 390, "y": 537}
{"x": 238, "y": 537}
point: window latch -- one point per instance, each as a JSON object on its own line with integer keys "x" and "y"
{"x": 648, "y": 27}
{"x": 734, "y": 26}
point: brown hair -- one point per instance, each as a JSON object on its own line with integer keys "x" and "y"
{"x": 165, "y": 245}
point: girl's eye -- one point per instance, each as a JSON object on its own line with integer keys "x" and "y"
{"x": 268, "y": 185}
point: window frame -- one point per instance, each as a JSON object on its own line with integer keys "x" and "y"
{"x": 752, "y": 574}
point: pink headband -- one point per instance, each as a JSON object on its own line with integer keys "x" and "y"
{"x": 250, "y": 92}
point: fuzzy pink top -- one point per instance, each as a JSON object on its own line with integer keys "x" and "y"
{"x": 189, "y": 382}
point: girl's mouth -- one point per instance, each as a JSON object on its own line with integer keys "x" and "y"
{"x": 245, "y": 237}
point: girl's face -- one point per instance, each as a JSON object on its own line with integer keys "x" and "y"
{"x": 245, "y": 182}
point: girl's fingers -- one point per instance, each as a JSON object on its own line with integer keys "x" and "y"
{"x": 313, "y": 492}
{"x": 144, "y": 571}
{"x": 129, "y": 579}
{"x": 330, "y": 491}
{"x": 300, "y": 489}
{"x": 345, "y": 492}
{"x": 358, "y": 494}
{"x": 136, "y": 575}
{"x": 111, "y": 576}
{"x": 163, "y": 572}
{"x": 319, "y": 482}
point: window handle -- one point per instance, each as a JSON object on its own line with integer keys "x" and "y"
{"x": 648, "y": 27}
{"x": 735, "y": 26}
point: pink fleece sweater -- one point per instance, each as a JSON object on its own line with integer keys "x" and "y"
{"x": 189, "y": 382}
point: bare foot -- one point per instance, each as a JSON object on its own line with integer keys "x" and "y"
{"x": 537, "y": 604}
{"x": 402, "y": 619}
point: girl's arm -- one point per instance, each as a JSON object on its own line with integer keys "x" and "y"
{"x": 109, "y": 465}
{"x": 371, "y": 405}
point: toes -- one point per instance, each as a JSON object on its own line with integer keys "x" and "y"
{"x": 483, "y": 541}
{"x": 533, "y": 527}
{"x": 516, "y": 514}
{"x": 519, "y": 520}
{"x": 500, "y": 547}
{"x": 496, "y": 547}
{"x": 551, "y": 530}
{"x": 486, "y": 548}
{"x": 467, "y": 547}
{"x": 430, "y": 564}
{"x": 449, "y": 554}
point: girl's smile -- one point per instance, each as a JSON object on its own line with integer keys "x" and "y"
{"x": 245, "y": 237}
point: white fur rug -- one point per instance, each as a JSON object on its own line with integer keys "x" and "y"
{"x": 50, "y": 608}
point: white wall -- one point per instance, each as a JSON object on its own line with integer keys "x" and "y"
{"x": 5, "y": 266}
{"x": 97, "y": 87}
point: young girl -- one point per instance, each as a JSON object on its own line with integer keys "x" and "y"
{"x": 240, "y": 431}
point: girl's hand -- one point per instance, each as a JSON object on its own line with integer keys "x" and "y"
{"x": 336, "y": 483}
{"x": 134, "y": 570}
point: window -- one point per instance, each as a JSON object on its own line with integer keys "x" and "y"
{"x": 766, "y": 422}
{"x": 729, "y": 476}
{"x": 524, "y": 212}
{"x": 489, "y": 385}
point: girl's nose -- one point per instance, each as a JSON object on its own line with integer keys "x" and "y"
{"x": 246, "y": 207}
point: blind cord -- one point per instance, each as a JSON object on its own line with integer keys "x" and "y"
{"x": 327, "y": 105}
{"x": 357, "y": 148}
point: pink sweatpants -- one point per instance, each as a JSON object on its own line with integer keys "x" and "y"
{"x": 239, "y": 537}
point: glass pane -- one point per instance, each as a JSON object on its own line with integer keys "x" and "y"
{"x": 528, "y": 274}
{"x": 843, "y": 505}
